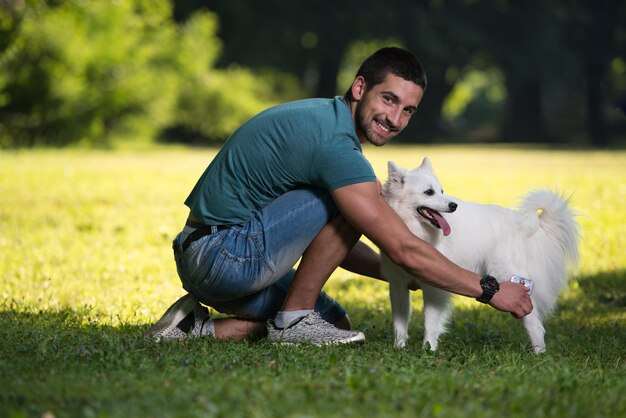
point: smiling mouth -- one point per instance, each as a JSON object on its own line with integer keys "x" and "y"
{"x": 382, "y": 127}
{"x": 435, "y": 219}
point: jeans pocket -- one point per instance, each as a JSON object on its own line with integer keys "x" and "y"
{"x": 234, "y": 270}
{"x": 192, "y": 261}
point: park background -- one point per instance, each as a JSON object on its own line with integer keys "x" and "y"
{"x": 110, "y": 110}
{"x": 97, "y": 73}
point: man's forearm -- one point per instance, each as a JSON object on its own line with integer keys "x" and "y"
{"x": 364, "y": 261}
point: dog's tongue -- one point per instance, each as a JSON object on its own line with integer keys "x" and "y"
{"x": 445, "y": 226}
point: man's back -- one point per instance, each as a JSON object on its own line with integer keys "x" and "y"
{"x": 304, "y": 143}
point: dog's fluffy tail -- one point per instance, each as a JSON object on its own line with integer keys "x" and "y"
{"x": 556, "y": 242}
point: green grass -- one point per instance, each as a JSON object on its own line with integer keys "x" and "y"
{"x": 86, "y": 266}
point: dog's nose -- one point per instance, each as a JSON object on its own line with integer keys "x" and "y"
{"x": 452, "y": 206}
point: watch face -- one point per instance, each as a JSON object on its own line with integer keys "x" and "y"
{"x": 489, "y": 282}
{"x": 490, "y": 286}
{"x": 492, "y": 282}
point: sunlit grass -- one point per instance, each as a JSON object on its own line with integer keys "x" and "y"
{"x": 86, "y": 265}
{"x": 93, "y": 229}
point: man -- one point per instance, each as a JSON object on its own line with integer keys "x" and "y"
{"x": 293, "y": 183}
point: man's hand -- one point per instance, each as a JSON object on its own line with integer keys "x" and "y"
{"x": 513, "y": 298}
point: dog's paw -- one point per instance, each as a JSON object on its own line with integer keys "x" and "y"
{"x": 400, "y": 343}
{"x": 430, "y": 345}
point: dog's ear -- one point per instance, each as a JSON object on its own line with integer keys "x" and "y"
{"x": 395, "y": 173}
{"x": 426, "y": 164}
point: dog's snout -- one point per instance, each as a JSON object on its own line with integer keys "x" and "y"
{"x": 452, "y": 206}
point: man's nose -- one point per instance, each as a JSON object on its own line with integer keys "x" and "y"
{"x": 394, "y": 118}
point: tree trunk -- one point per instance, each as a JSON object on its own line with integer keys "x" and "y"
{"x": 596, "y": 121}
{"x": 523, "y": 119}
{"x": 329, "y": 61}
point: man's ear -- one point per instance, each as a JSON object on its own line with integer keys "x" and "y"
{"x": 358, "y": 88}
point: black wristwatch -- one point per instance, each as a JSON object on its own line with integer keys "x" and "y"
{"x": 490, "y": 286}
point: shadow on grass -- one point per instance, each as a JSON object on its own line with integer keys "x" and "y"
{"x": 596, "y": 312}
{"x": 66, "y": 362}
{"x": 62, "y": 335}
{"x": 589, "y": 316}
{"x": 606, "y": 288}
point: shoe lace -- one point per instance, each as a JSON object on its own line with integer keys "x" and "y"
{"x": 315, "y": 319}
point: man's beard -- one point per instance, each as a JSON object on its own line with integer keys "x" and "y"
{"x": 372, "y": 136}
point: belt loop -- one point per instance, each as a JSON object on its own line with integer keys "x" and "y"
{"x": 213, "y": 229}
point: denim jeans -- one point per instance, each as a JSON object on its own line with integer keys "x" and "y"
{"x": 246, "y": 270}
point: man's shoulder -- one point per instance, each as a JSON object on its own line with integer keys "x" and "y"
{"x": 320, "y": 119}
{"x": 314, "y": 107}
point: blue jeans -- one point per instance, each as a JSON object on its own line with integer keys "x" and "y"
{"x": 246, "y": 270}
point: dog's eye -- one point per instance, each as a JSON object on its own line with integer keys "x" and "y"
{"x": 429, "y": 192}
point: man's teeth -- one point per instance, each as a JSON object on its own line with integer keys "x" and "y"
{"x": 383, "y": 127}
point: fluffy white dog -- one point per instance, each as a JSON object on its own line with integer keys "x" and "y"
{"x": 538, "y": 242}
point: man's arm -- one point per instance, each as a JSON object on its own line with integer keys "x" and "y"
{"x": 362, "y": 205}
{"x": 364, "y": 261}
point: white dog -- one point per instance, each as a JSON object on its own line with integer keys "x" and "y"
{"x": 538, "y": 242}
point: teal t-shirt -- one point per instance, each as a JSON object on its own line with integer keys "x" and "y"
{"x": 303, "y": 143}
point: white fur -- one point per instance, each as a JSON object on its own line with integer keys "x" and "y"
{"x": 539, "y": 241}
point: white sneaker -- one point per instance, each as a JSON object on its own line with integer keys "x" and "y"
{"x": 313, "y": 329}
{"x": 185, "y": 318}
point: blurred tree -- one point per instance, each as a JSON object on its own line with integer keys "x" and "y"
{"x": 447, "y": 37}
{"x": 213, "y": 103}
{"x": 522, "y": 39}
{"x": 307, "y": 38}
{"x": 532, "y": 43}
{"x": 596, "y": 30}
{"x": 75, "y": 71}
{"x": 96, "y": 73}
{"x": 84, "y": 71}
{"x": 310, "y": 38}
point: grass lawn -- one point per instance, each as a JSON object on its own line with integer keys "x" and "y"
{"x": 86, "y": 266}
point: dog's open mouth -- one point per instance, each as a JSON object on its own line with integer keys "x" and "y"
{"x": 435, "y": 219}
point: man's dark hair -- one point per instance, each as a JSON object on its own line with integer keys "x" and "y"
{"x": 396, "y": 61}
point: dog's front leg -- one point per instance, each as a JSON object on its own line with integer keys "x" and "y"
{"x": 436, "y": 314}
{"x": 401, "y": 311}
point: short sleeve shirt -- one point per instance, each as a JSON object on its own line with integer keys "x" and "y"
{"x": 308, "y": 142}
